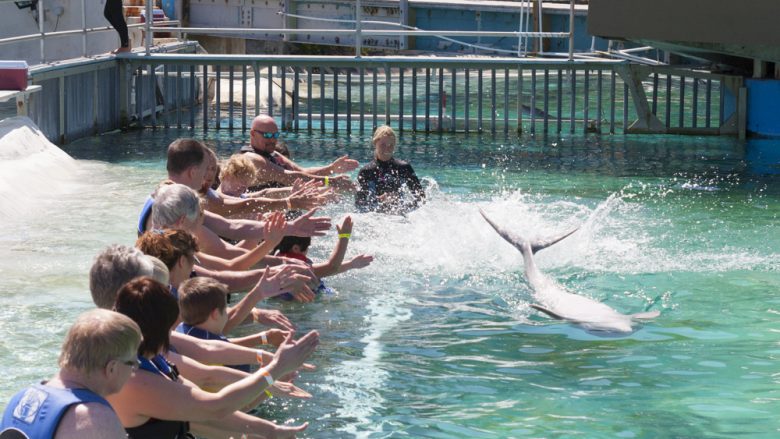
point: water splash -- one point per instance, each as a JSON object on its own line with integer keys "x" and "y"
{"x": 31, "y": 167}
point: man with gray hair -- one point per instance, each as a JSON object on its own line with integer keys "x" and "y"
{"x": 98, "y": 356}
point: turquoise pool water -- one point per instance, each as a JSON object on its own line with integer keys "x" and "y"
{"x": 436, "y": 338}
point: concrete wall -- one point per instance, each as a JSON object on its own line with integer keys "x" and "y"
{"x": 711, "y": 21}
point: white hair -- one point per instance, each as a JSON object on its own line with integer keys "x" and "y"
{"x": 173, "y": 201}
{"x": 114, "y": 267}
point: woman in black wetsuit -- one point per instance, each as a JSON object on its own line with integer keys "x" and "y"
{"x": 387, "y": 184}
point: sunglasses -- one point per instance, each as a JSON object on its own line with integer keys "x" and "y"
{"x": 268, "y": 135}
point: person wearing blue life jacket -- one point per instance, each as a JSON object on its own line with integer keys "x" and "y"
{"x": 97, "y": 358}
{"x": 204, "y": 314}
{"x": 387, "y": 184}
{"x": 297, "y": 247}
{"x": 157, "y": 403}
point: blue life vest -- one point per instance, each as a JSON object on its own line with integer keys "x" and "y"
{"x": 146, "y": 212}
{"x": 203, "y": 334}
{"x": 38, "y": 409}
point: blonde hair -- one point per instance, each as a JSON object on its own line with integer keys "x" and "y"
{"x": 97, "y": 337}
{"x": 382, "y": 131}
{"x": 239, "y": 167}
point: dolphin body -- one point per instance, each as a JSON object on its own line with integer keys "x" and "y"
{"x": 560, "y": 304}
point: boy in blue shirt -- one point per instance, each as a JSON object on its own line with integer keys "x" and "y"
{"x": 203, "y": 311}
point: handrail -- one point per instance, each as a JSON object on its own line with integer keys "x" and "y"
{"x": 73, "y": 32}
{"x": 358, "y": 32}
{"x": 368, "y": 32}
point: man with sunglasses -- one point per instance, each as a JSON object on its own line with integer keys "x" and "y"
{"x": 276, "y": 170}
{"x": 98, "y": 356}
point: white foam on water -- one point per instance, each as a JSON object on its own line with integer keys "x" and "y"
{"x": 359, "y": 383}
{"x": 31, "y": 168}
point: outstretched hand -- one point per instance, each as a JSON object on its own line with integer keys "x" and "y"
{"x": 274, "y": 227}
{"x": 344, "y": 164}
{"x": 361, "y": 261}
{"x": 309, "y": 225}
{"x": 345, "y": 226}
{"x": 272, "y": 317}
{"x": 289, "y": 390}
{"x": 291, "y": 354}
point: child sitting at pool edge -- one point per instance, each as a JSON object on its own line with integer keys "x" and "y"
{"x": 203, "y": 311}
{"x": 296, "y": 247}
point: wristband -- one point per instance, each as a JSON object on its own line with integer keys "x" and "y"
{"x": 289, "y": 203}
{"x": 345, "y": 235}
{"x": 268, "y": 394}
{"x": 327, "y": 181}
{"x": 268, "y": 378}
{"x": 263, "y": 338}
{"x": 259, "y": 357}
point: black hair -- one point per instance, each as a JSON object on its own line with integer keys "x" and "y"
{"x": 289, "y": 241}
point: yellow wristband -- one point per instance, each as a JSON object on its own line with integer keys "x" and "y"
{"x": 345, "y": 235}
{"x": 268, "y": 394}
{"x": 263, "y": 338}
{"x": 327, "y": 181}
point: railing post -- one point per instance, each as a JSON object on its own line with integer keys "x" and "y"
{"x": 404, "y": 40}
{"x": 571, "y": 30}
{"x": 539, "y": 13}
{"x": 40, "y": 29}
{"x": 83, "y": 29}
{"x": 148, "y": 23}
{"x": 358, "y": 29}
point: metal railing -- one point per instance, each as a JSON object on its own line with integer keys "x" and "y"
{"x": 358, "y": 32}
{"x": 84, "y": 31}
{"x": 435, "y": 94}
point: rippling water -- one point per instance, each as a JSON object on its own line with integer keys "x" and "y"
{"x": 436, "y": 338}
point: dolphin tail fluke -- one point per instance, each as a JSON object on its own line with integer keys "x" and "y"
{"x": 510, "y": 237}
{"x": 541, "y": 245}
{"x": 518, "y": 242}
{"x": 649, "y": 315}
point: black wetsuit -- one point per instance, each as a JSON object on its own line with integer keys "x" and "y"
{"x": 390, "y": 177}
{"x": 115, "y": 16}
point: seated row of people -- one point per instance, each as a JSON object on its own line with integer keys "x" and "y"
{"x": 195, "y": 246}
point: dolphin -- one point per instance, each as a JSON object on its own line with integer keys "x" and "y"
{"x": 558, "y": 303}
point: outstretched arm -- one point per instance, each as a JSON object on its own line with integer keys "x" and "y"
{"x": 331, "y": 267}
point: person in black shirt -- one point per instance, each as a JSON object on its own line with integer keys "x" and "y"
{"x": 387, "y": 184}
